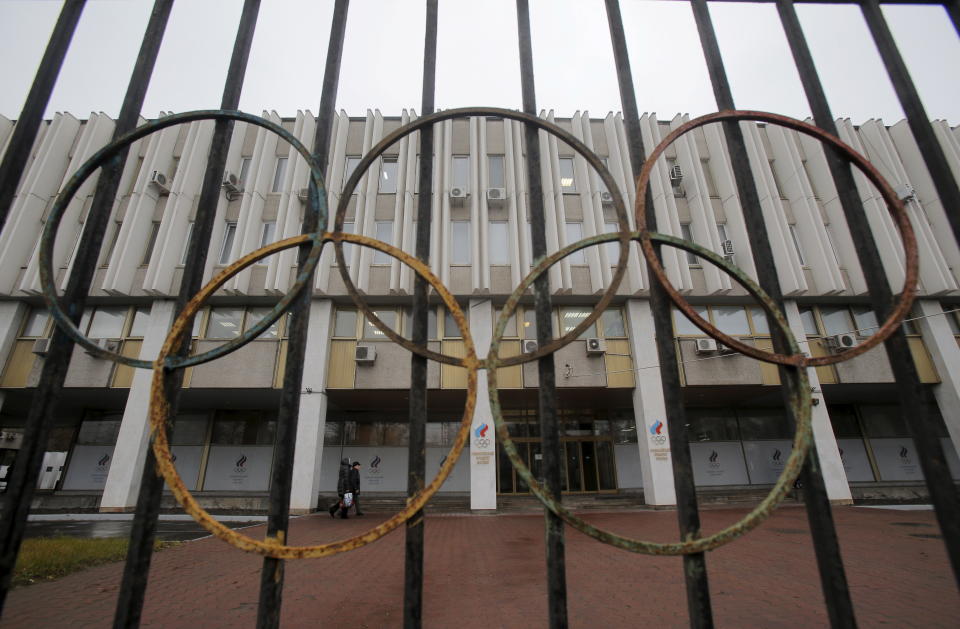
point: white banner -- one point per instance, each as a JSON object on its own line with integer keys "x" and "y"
{"x": 89, "y": 466}
{"x": 765, "y": 460}
{"x": 856, "y": 463}
{"x": 897, "y": 459}
{"x": 238, "y": 468}
{"x": 718, "y": 463}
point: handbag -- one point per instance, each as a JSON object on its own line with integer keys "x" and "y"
{"x": 348, "y": 499}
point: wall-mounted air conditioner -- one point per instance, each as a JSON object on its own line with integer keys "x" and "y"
{"x": 529, "y": 346}
{"x": 496, "y": 196}
{"x": 842, "y": 342}
{"x": 676, "y": 174}
{"x": 458, "y": 192}
{"x": 159, "y": 181}
{"x": 231, "y": 183}
{"x": 107, "y": 345}
{"x": 365, "y": 354}
{"x": 905, "y": 192}
{"x": 727, "y": 247}
{"x": 606, "y": 198}
{"x": 706, "y": 346}
{"x": 303, "y": 194}
{"x": 596, "y": 346}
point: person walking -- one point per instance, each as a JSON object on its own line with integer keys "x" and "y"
{"x": 355, "y": 486}
{"x": 343, "y": 486}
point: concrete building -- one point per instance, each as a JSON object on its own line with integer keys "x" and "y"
{"x": 614, "y": 432}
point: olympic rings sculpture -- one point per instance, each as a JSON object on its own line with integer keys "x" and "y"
{"x": 165, "y": 362}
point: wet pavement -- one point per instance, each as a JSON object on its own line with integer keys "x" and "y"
{"x": 169, "y": 530}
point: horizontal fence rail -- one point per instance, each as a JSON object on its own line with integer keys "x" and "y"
{"x": 320, "y": 230}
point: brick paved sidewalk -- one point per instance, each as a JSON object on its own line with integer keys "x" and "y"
{"x": 487, "y": 571}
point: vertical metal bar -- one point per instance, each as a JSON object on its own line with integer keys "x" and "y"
{"x": 416, "y": 466}
{"x": 547, "y": 391}
{"x": 272, "y": 573}
{"x": 910, "y": 391}
{"x": 142, "y": 534}
{"x": 40, "y": 417}
{"x": 694, "y": 565}
{"x": 24, "y": 134}
{"x": 832, "y": 577}
{"x": 930, "y": 148}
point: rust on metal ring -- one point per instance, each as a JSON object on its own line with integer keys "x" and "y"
{"x": 317, "y": 204}
{"x": 800, "y": 401}
{"x": 897, "y": 211}
{"x": 579, "y": 147}
{"x": 272, "y": 547}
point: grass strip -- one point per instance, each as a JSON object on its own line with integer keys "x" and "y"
{"x": 49, "y": 558}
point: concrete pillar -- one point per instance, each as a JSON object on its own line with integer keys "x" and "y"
{"x": 123, "y": 479}
{"x": 945, "y": 353}
{"x": 649, "y": 409}
{"x": 483, "y": 446}
{"x": 831, "y": 463}
{"x": 312, "y": 419}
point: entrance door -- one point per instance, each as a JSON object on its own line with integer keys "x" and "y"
{"x": 586, "y": 466}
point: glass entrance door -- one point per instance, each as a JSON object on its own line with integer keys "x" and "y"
{"x": 586, "y": 466}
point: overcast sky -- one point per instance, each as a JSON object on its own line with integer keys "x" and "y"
{"x": 477, "y": 57}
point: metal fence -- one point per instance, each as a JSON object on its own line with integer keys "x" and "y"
{"x": 168, "y": 368}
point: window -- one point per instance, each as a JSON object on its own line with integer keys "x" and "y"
{"x": 731, "y": 320}
{"x": 613, "y": 248}
{"x": 684, "y": 326}
{"x": 529, "y": 323}
{"x": 776, "y": 180}
{"x": 833, "y": 246}
{"x": 107, "y": 323}
{"x": 267, "y": 236}
{"x": 866, "y": 320}
{"x": 345, "y": 324}
{"x": 722, "y": 234}
{"x": 499, "y": 243}
{"x": 510, "y": 330}
{"x": 244, "y": 170}
{"x": 373, "y": 333}
{"x": 495, "y": 172}
{"x": 254, "y": 315}
{"x": 570, "y": 318}
{"x": 431, "y": 323}
{"x": 450, "y": 328}
{"x": 151, "y": 243}
{"x": 224, "y": 323}
{"x": 809, "y": 322}
{"x": 567, "y": 180}
{"x": 141, "y": 322}
{"x": 574, "y": 234}
{"x": 686, "y": 234}
{"x": 351, "y": 165}
{"x": 612, "y": 323}
{"x": 36, "y": 324}
{"x": 836, "y": 320}
{"x": 460, "y": 173}
{"x": 279, "y": 175}
{"x": 388, "y": 175}
{"x": 708, "y": 176}
{"x": 348, "y": 228}
{"x": 186, "y": 243}
{"x": 242, "y": 428}
{"x": 228, "y": 235}
{"x": 761, "y": 326}
{"x": 385, "y": 234}
{"x": 806, "y": 170}
{"x": 796, "y": 245}
{"x": 460, "y": 239}
{"x": 950, "y": 316}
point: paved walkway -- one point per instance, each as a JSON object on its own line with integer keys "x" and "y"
{"x": 488, "y": 571}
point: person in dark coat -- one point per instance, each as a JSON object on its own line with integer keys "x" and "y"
{"x": 343, "y": 486}
{"x": 355, "y": 485}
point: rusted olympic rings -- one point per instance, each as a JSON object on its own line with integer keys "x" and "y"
{"x": 901, "y": 308}
{"x": 794, "y": 359}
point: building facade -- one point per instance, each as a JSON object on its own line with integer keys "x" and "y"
{"x": 356, "y": 382}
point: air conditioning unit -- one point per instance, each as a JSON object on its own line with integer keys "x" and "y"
{"x": 496, "y": 195}
{"x": 841, "y": 342}
{"x": 725, "y": 349}
{"x": 365, "y": 354}
{"x": 679, "y": 192}
{"x": 303, "y": 194}
{"x": 606, "y": 198}
{"x": 458, "y": 193}
{"x": 529, "y": 346}
{"x": 706, "y": 346}
{"x": 676, "y": 174}
{"x": 108, "y": 345}
{"x": 41, "y": 347}
{"x": 160, "y": 181}
{"x": 596, "y": 346}
{"x": 727, "y": 247}
{"x": 905, "y": 192}
{"x": 232, "y": 183}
